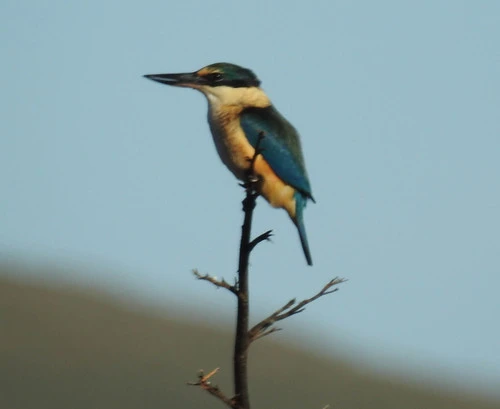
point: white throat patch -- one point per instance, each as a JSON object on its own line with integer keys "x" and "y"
{"x": 243, "y": 96}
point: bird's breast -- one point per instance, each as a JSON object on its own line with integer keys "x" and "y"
{"x": 230, "y": 141}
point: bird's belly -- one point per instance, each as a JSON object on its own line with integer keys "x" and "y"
{"x": 236, "y": 153}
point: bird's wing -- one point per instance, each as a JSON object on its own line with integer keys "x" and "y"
{"x": 280, "y": 146}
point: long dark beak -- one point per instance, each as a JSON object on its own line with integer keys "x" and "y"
{"x": 178, "y": 80}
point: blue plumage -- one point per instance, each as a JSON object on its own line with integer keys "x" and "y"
{"x": 281, "y": 150}
{"x": 280, "y": 146}
{"x": 300, "y": 204}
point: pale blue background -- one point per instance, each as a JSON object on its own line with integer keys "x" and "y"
{"x": 398, "y": 104}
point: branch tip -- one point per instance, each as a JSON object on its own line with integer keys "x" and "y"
{"x": 262, "y": 328}
{"x": 205, "y": 384}
{"x": 212, "y": 279}
{"x": 266, "y": 236}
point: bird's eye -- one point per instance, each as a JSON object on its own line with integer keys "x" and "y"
{"x": 214, "y": 77}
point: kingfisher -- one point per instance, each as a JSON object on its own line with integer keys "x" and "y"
{"x": 239, "y": 114}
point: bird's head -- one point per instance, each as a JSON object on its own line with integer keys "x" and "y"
{"x": 222, "y": 83}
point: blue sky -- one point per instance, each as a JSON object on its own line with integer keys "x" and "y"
{"x": 398, "y": 107}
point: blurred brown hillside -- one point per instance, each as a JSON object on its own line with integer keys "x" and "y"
{"x": 67, "y": 348}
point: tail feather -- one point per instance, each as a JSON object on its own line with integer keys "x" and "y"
{"x": 300, "y": 203}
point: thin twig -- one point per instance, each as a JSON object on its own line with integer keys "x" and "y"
{"x": 263, "y": 328}
{"x": 263, "y": 334}
{"x": 263, "y": 237}
{"x": 218, "y": 283}
{"x": 205, "y": 384}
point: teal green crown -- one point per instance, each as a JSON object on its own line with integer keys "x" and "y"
{"x": 223, "y": 73}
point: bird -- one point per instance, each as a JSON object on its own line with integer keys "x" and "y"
{"x": 240, "y": 116}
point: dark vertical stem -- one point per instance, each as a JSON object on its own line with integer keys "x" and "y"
{"x": 242, "y": 341}
{"x": 242, "y": 338}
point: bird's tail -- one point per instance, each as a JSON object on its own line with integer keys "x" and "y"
{"x": 300, "y": 204}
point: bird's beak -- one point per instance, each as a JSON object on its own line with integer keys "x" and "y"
{"x": 179, "y": 80}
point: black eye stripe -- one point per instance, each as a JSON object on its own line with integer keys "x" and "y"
{"x": 214, "y": 77}
{"x": 217, "y": 79}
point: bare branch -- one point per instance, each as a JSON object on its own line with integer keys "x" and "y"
{"x": 244, "y": 337}
{"x": 242, "y": 340}
{"x": 264, "y": 333}
{"x": 205, "y": 384}
{"x": 324, "y": 291}
{"x": 218, "y": 283}
{"x": 263, "y": 328}
{"x": 263, "y": 237}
